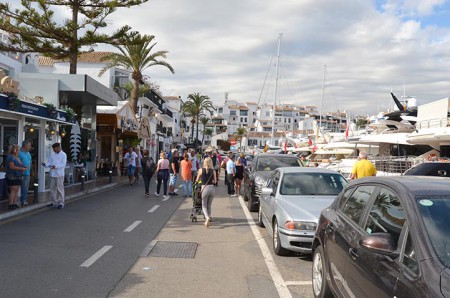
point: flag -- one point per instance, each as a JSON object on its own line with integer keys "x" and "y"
{"x": 346, "y": 131}
{"x": 309, "y": 141}
{"x": 266, "y": 148}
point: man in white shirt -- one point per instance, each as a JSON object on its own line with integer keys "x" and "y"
{"x": 195, "y": 163}
{"x": 131, "y": 158}
{"x": 57, "y": 164}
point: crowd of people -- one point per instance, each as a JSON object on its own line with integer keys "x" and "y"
{"x": 189, "y": 169}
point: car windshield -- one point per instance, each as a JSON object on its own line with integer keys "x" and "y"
{"x": 294, "y": 184}
{"x": 271, "y": 163}
{"x": 435, "y": 211}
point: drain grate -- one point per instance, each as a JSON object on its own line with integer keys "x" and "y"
{"x": 170, "y": 249}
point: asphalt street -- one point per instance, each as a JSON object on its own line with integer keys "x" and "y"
{"x": 84, "y": 249}
{"x": 94, "y": 248}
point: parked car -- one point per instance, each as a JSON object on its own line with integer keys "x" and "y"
{"x": 261, "y": 168}
{"x": 385, "y": 237}
{"x": 441, "y": 169}
{"x": 290, "y": 205}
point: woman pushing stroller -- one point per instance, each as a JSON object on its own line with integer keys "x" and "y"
{"x": 208, "y": 178}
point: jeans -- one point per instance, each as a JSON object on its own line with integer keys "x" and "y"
{"x": 230, "y": 184}
{"x": 187, "y": 186}
{"x": 24, "y": 188}
{"x": 147, "y": 177}
{"x": 207, "y": 198}
{"x": 163, "y": 176}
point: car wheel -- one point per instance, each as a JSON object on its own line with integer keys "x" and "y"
{"x": 278, "y": 249}
{"x": 252, "y": 207}
{"x": 260, "y": 222}
{"x": 321, "y": 289}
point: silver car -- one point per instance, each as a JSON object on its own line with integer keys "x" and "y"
{"x": 291, "y": 202}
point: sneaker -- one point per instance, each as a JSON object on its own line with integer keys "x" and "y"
{"x": 208, "y": 222}
{"x": 156, "y": 194}
{"x": 15, "y": 206}
{"x": 60, "y": 206}
{"x": 234, "y": 195}
{"x": 165, "y": 196}
{"x": 24, "y": 204}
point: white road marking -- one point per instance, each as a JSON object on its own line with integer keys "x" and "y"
{"x": 277, "y": 279}
{"x": 166, "y": 198}
{"x": 96, "y": 256}
{"x": 153, "y": 209}
{"x": 132, "y": 226}
{"x": 299, "y": 283}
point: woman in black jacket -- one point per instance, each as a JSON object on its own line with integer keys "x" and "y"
{"x": 148, "y": 169}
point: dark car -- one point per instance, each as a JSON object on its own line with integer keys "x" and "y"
{"x": 440, "y": 169}
{"x": 261, "y": 168}
{"x": 385, "y": 237}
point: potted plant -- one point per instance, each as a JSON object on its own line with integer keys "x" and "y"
{"x": 13, "y": 101}
{"x": 51, "y": 109}
{"x": 70, "y": 114}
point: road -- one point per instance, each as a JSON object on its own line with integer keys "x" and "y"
{"x": 89, "y": 248}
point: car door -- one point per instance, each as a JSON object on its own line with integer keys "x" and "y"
{"x": 342, "y": 231}
{"x": 270, "y": 204}
{"x": 369, "y": 272}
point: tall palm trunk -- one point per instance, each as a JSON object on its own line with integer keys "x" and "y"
{"x": 196, "y": 133}
{"x": 135, "y": 97}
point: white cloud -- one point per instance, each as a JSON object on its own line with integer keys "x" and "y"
{"x": 221, "y": 46}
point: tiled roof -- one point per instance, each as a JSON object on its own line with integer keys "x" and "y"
{"x": 88, "y": 57}
{"x": 233, "y": 107}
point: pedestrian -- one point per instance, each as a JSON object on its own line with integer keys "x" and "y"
{"x": 243, "y": 160}
{"x": 231, "y": 171}
{"x": 25, "y": 158}
{"x": 57, "y": 163}
{"x": 195, "y": 164}
{"x": 130, "y": 157}
{"x": 223, "y": 165}
{"x": 174, "y": 170}
{"x": 303, "y": 161}
{"x": 162, "y": 171}
{"x": 186, "y": 175}
{"x": 138, "y": 169}
{"x": 148, "y": 169}
{"x": 239, "y": 176}
{"x": 207, "y": 176}
{"x": 14, "y": 176}
{"x": 219, "y": 159}
{"x": 363, "y": 167}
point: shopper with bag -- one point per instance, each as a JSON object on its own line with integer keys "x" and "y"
{"x": 148, "y": 169}
{"x": 14, "y": 176}
{"x": 208, "y": 178}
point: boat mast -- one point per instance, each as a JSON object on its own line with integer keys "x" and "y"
{"x": 276, "y": 90}
{"x": 321, "y": 97}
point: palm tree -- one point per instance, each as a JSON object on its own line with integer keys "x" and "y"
{"x": 136, "y": 55}
{"x": 204, "y": 120}
{"x": 129, "y": 87}
{"x": 195, "y": 106}
{"x": 240, "y": 133}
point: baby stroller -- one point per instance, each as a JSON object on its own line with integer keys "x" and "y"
{"x": 196, "y": 201}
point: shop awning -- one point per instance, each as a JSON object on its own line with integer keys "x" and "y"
{"x": 33, "y": 110}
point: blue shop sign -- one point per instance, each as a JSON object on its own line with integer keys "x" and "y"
{"x": 27, "y": 108}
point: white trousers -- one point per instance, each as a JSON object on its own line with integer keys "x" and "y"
{"x": 57, "y": 190}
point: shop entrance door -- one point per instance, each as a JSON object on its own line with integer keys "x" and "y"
{"x": 33, "y": 137}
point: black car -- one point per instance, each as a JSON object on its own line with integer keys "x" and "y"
{"x": 261, "y": 168}
{"x": 440, "y": 169}
{"x": 385, "y": 237}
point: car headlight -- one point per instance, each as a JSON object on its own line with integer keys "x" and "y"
{"x": 300, "y": 225}
{"x": 259, "y": 180}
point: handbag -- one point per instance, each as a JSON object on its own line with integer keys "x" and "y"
{"x": 13, "y": 177}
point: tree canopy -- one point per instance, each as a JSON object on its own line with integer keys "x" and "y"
{"x": 34, "y": 28}
{"x": 137, "y": 55}
{"x": 195, "y": 106}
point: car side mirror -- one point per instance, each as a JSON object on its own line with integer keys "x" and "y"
{"x": 380, "y": 243}
{"x": 265, "y": 191}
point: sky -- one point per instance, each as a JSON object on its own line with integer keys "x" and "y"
{"x": 369, "y": 47}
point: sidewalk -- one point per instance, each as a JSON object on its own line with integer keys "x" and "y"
{"x": 187, "y": 259}
{"x": 72, "y": 191}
